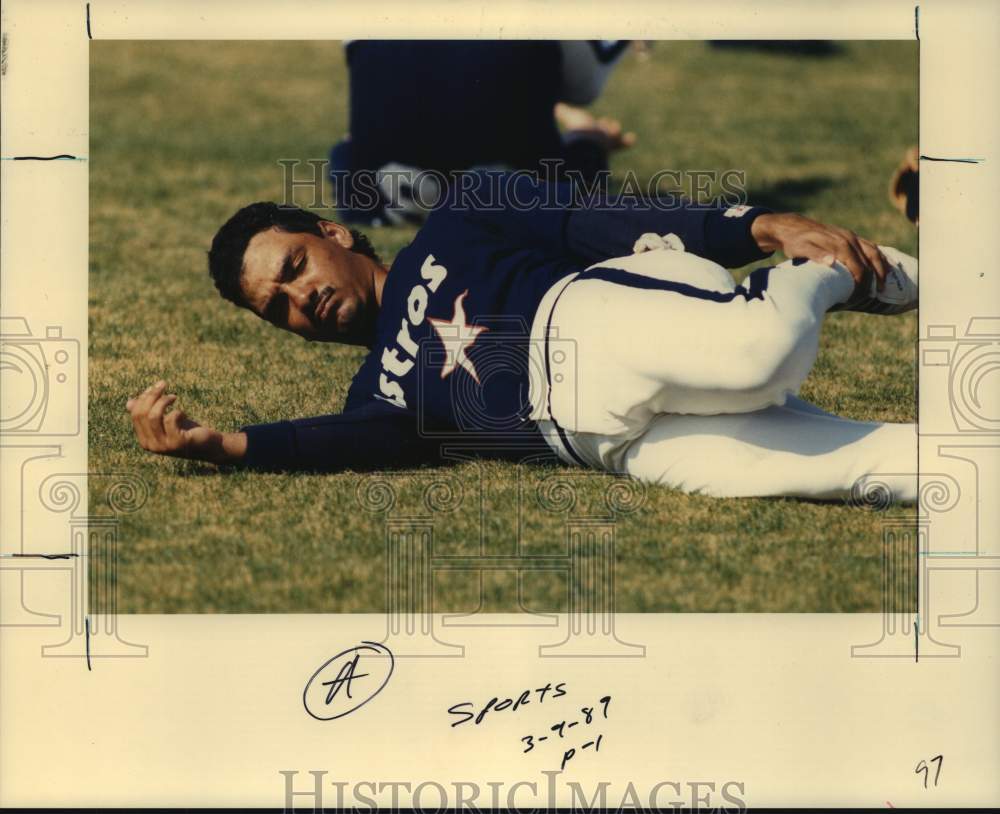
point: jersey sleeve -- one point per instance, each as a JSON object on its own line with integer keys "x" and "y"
{"x": 375, "y": 436}
{"x": 591, "y": 228}
{"x": 720, "y": 234}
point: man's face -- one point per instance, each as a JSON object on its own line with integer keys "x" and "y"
{"x": 311, "y": 285}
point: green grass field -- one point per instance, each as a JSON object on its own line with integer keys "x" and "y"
{"x": 183, "y": 133}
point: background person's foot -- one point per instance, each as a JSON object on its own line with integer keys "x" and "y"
{"x": 577, "y": 122}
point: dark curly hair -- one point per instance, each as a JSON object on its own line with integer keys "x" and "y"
{"x": 225, "y": 258}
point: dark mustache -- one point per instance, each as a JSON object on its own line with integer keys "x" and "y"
{"x": 316, "y": 298}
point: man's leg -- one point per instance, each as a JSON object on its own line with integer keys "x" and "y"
{"x": 685, "y": 379}
{"x": 658, "y": 333}
{"x": 795, "y": 450}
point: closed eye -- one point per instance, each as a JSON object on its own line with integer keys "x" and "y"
{"x": 277, "y": 306}
{"x": 292, "y": 268}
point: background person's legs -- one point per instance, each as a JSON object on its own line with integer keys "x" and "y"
{"x": 452, "y": 105}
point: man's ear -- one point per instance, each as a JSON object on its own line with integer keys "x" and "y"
{"x": 337, "y": 233}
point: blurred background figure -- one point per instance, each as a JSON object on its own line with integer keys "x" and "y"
{"x": 449, "y": 105}
{"x": 805, "y": 48}
{"x": 904, "y": 186}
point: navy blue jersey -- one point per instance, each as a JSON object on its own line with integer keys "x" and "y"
{"x": 456, "y": 313}
{"x": 450, "y": 355}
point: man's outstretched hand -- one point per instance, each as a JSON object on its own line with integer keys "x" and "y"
{"x": 799, "y": 236}
{"x": 173, "y": 433}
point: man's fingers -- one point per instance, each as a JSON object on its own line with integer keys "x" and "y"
{"x": 877, "y": 260}
{"x": 143, "y": 430}
{"x": 851, "y": 256}
{"x": 138, "y": 426}
{"x": 803, "y": 237}
{"x": 147, "y": 397}
{"x": 157, "y": 427}
{"x": 139, "y": 405}
{"x": 154, "y": 418}
{"x": 146, "y": 411}
{"x": 160, "y": 407}
{"x": 153, "y": 391}
{"x": 859, "y": 249}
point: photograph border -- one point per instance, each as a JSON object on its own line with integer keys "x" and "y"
{"x": 207, "y": 709}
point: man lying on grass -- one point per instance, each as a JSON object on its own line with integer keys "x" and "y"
{"x": 611, "y": 335}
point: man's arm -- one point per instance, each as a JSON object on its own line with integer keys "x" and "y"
{"x": 610, "y": 229}
{"x": 730, "y": 236}
{"x": 376, "y": 436}
{"x": 799, "y": 236}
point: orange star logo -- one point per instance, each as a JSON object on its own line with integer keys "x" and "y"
{"x": 457, "y": 338}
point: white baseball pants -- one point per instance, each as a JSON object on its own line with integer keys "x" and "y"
{"x": 684, "y": 379}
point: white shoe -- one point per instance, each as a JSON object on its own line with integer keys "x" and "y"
{"x": 900, "y": 293}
